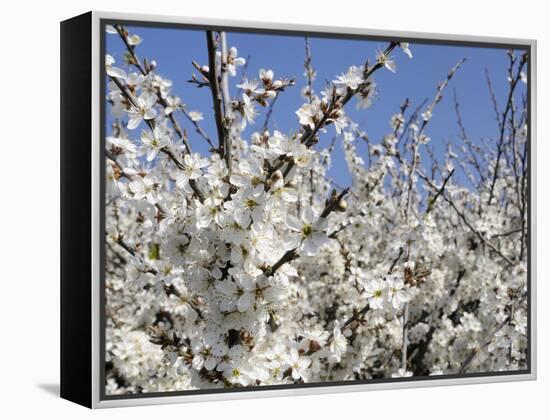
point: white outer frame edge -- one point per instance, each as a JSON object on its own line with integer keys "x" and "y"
{"x": 533, "y": 205}
{"x": 326, "y": 389}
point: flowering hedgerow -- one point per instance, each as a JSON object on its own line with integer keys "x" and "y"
{"x": 249, "y": 266}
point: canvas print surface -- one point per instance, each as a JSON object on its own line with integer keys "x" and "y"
{"x": 286, "y": 209}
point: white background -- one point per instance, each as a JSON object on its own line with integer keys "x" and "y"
{"x": 29, "y": 198}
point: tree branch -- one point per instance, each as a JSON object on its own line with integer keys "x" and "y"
{"x": 228, "y": 112}
{"x": 465, "y": 138}
{"x": 458, "y": 212}
{"x": 502, "y": 123}
{"x": 214, "y": 84}
{"x": 431, "y": 107}
{"x": 165, "y": 150}
{"x": 332, "y": 204}
{"x": 135, "y": 61}
{"x": 171, "y": 289}
{"x": 440, "y": 191}
{"x": 488, "y": 339}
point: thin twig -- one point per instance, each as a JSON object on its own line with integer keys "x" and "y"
{"x": 465, "y": 138}
{"x": 502, "y": 123}
{"x": 396, "y": 260}
{"x": 310, "y": 71}
{"x": 269, "y": 113}
{"x": 493, "y": 97}
{"x": 440, "y": 191}
{"x": 198, "y": 128}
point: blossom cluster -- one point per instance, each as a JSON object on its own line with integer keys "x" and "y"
{"x": 250, "y": 267}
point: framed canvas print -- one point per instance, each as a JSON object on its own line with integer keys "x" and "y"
{"x": 254, "y": 209}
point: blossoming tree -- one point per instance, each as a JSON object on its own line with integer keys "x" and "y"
{"x": 249, "y": 266}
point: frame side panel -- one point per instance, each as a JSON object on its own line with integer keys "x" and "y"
{"x": 76, "y": 334}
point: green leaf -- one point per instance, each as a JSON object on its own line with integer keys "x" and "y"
{"x": 154, "y": 252}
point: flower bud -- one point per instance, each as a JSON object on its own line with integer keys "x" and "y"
{"x": 342, "y": 205}
{"x": 276, "y": 177}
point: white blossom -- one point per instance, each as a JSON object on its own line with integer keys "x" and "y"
{"x": 193, "y": 165}
{"x": 196, "y": 116}
{"x": 113, "y": 71}
{"x": 152, "y": 142}
{"x": 311, "y": 230}
{"x": 405, "y": 47}
{"x": 352, "y": 79}
{"x": 142, "y": 110}
{"x": 173, "y": 103}
{"x": 298, "y": 364}
{"x": 386, "y": 61}
{"x": 338, "y": 345}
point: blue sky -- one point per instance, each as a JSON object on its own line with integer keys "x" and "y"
{"x": 416, "y": 78}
